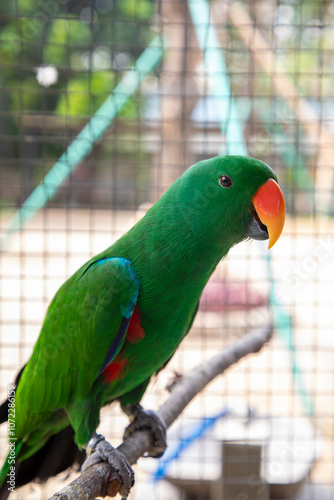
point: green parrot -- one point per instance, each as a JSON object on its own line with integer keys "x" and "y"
{"x": 122, "y": 315}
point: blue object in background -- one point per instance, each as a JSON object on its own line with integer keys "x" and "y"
{"x": 195, "y": 432}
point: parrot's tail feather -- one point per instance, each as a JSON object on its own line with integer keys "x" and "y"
{"x": 10, "y": 460}
{"x": 4, "y": 412}
{"x": 59, "y": 453}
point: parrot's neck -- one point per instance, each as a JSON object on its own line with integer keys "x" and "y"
{"x": 171, "y": 251}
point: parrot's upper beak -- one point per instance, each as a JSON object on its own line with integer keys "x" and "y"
{"x": 269, "y": 215}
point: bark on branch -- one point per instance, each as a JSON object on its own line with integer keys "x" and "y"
{"x": 100, "y": 480}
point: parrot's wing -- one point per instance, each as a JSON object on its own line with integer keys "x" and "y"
{"x": 83, "y": 331}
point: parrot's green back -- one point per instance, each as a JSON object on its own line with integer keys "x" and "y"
{"x": 122, "y": 315}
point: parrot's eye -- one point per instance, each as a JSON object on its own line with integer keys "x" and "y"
{"x": 225, "y": 181}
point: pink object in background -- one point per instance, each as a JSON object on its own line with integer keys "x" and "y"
{"x": 221, "y": 296}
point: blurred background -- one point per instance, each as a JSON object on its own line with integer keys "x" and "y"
{"x": 103, "y": 104}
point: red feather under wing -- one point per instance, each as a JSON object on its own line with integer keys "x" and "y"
{"x": 135, "y": 331}
{"x": 117, "y": 369}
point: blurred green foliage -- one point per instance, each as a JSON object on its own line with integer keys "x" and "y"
{"x": 59, "y": 61}
{"x": 87, "y": 45}
{"x": 62, "y": 58}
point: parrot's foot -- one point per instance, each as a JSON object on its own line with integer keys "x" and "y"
{"x": 99, "y": 450}
{"x": 147, "y": 420}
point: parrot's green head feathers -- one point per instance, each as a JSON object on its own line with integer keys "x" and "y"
{"x": 231, "y": 198}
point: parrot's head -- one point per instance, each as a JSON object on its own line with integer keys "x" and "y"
{"x": 233, "y": 198}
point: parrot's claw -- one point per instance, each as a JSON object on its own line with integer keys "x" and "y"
{"x": 99, "y": 450}
{"x": 147, "y": 420}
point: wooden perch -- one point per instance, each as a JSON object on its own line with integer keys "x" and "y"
{"x": 100, "y": 481}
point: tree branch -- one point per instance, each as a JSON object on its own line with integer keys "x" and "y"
{"x": 100, "y": 480}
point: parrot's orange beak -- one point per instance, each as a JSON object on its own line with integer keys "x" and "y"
{"x": 269, "y": 204}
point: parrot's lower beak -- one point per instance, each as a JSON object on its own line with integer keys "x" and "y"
{"x": 269, "y": 213}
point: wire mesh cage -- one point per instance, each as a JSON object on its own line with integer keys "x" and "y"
{"x": 104, "y": 104}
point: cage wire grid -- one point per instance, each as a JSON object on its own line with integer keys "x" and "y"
{"x": 103, "y": 105}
